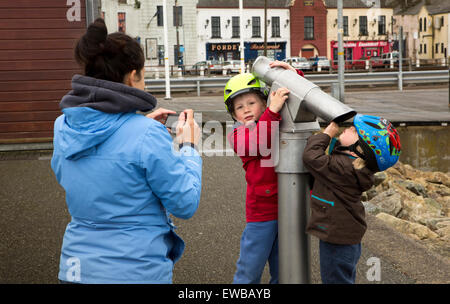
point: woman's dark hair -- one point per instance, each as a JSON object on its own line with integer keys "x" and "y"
{"x": 108, "y": 57}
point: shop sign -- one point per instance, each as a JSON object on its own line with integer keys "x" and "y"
{"x": 259, "y": 46}
{"x": 352, "y": 44}
{"x": 224, "y": 47}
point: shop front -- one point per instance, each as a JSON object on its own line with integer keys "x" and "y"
{"x": 222, "y": 51}
{"x": 275, "y": 50}
{"x": 225, "y": 51}
{"x": 355, "y": 50}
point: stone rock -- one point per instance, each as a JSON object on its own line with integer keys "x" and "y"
{"x": 388, "y": 202}
{"x": 415, "y": 188}
{"x": 439, "y": 178}
{"x": 417, "y": 230}
{"x": 434, "y": 223}
{"x": 379, "y": 177}
{"x": 444, "y": 233}
{"x": 370, "y": 208}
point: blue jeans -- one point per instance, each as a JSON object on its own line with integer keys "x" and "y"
{"x": 259, "y": 244}
{"x": 338, "y": 262}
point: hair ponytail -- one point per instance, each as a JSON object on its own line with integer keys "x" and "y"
{"x": 109, "y": 57}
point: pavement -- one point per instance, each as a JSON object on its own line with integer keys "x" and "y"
{"x": 410, "y": 107}
{"x": 33, "y": 213}
{"x": 33, "y": 216}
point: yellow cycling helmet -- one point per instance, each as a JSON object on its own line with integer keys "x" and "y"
{"x": 240, "y": 84}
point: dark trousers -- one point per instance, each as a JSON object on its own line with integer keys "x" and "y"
{"x": 338, "y": 262}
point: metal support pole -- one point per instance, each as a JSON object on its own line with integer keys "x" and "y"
{"x": 293, "y": 207}
{"x": 166, "y": 50}
{"x": 400, "y": 59}
{"x": 341, "y": 59}
{"x": 241, "y": 37}
{"x": 306, "y": 100}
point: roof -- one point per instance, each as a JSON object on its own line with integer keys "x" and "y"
{"x": 413, "y": 7}
{"x": 438, "y": 7}
{"x": 246, "y": 3}
{"x": 359, "y": 3}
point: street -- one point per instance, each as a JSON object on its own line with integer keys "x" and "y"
{"x": 34, "y": 215}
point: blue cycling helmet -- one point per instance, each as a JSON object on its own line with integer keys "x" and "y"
{"x": 379, "y": 140}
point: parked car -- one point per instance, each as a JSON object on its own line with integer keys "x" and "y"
{"x": 209, "y": 66}
{"x": 377, "y": 62}
{"x": 215, "y": 66}
{"x": 387, "y": 57}
{"x": 232, "y": 66}
{"x": 299, "y": 63}
{"x": 195, "y": 70}
{"x": 320, "y": 61}
{"x": 360, "y": 63}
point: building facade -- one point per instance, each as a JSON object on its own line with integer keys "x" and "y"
{"x": 219, "y": 32}
{"x": 368, "y": 28}
{"x": 144, "y": 21}
{"x": 425, "y": 28}
{"x": 308, "y": 28}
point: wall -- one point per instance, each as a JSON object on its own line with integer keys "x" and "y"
{"x": 37, "y": 39}
{"x": 298, "y": 12}
{"x": 204, "y": 32}
{"x": 141, "y": 22}
{"x": 353, "y": 28}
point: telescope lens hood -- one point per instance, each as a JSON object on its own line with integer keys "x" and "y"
{"x": 344, "y": 117}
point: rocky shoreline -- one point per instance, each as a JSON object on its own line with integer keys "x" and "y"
{"x": 415, "y": 203}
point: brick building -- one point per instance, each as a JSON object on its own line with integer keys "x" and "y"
{"x": 308, "y": 28}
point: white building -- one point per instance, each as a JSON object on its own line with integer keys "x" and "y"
{"x": 219, "y": 32}
{"x": 143, "y": 19}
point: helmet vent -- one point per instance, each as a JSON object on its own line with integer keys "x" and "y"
{"x": 373, "y": 125}
{"x": 252, "y": 82}
{"x": 228, "y": 91}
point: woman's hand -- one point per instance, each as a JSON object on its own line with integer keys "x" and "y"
{"x": 188, "y": 130}
{"x": 277, "y": 99}
{"x": 160, "y": 115}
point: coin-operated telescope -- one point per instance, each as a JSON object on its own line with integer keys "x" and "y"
{"x": 306, "y": 102}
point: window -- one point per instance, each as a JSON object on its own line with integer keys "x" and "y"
{"x": 256, "y": 27}
{"x": 381, "y": 25}
{"x": 420, "y": 24}
{"x": 363, "y": 26}
{"x": 309, "y": 28}
{"x": 346, "y": 26}
{"x": 442, "y": 48}
{"x": 424, "y": 48}
{"x": 159, "y": 15}
{"x": 420, "y": 48}
{"x": 235, "y": 27}
{"x": 177, "y": 16}
{"x": 424, "y": 24}
{"x": 215, "y": 27}
{"x": 275, "y": 26}
{"x": 121, "y": 22}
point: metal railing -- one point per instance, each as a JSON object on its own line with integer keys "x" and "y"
{"x": 351, "y": 79}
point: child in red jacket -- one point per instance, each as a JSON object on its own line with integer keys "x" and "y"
{"x": 255, "y": 129}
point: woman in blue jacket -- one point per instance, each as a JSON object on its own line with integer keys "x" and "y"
{"x": 119, "y": 170}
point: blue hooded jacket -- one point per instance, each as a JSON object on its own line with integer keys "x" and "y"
{"x": 122, "y": 178}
